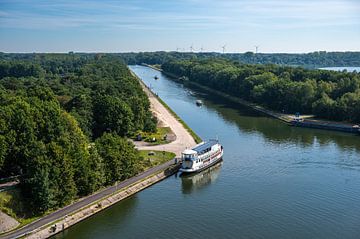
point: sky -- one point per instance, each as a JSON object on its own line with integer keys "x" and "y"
{"x": 291, "y": 26}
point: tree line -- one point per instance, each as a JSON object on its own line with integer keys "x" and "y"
{"x": 64, "y": 119}
{"x": 327, "y": 94}
{"x": 307, "y": 60}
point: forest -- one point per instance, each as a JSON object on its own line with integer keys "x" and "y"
{"x": 64, "y": 123}
{"x": 307, "y": 60}
{"x": 327, "y": 94}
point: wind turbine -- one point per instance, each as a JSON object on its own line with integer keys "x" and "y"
{"x": 256, "y": 49}
{"x": 201, "y": 49}
{"x": 223, "y": 48}
{"x": 191, "y": 48}
{"x": 178, "y": 48}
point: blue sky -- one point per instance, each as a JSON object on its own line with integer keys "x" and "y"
{"x": 144, "y": 25}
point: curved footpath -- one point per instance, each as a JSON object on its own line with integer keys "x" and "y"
{"x": 183, "y": 140}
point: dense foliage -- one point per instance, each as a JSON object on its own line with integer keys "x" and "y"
{"x": 63, "y": 123}
{"x": 327, "y": 94}
{"x": 309, "y": 60}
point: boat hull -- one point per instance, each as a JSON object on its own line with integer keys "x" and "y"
{"x": 190, "y": 171}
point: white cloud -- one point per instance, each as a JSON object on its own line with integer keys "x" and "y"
{"x": 182, "y": 15}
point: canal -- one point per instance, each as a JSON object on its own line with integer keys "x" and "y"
{"x": 276, "y": 181}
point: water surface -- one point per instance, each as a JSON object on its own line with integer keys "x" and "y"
{"x": 341, "y": 68}
{"x": 276, "y": 181}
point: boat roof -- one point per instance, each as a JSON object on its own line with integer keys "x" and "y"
{"x": 205, "y": 145}
{"x": 189, "y": 151}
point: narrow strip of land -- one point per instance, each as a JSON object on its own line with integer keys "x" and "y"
{"x": 83, "y": 202}
{"x": 183, "y": 137}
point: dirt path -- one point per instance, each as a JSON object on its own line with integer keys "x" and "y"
{"x": 183, "y": 138}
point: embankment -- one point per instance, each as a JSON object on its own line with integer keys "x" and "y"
{"x": 68, "y": 220}
{"x": 185, "y": 136}
{"x": 286, "y": 118}
{"x": 258, "y": 108}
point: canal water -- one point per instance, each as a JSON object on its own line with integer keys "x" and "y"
{"x": 348, "y": 69}
{"x": 275, "y": 181}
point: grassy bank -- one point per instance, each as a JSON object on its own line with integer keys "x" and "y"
{"x": 152, "y": 158}
{"x": 192, "y": 133}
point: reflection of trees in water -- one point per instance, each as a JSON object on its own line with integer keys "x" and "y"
{"x": 274, "y": 130}
{"x": 194, "y": 182}
{"x": 116, "y": 214}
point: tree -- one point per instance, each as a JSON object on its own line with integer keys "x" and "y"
{"x": 111, "y": 114}
{"x": 119, "y": 157}
{"x": 324, "y": 106}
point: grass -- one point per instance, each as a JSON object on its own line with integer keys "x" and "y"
{"x": 155, "y": 158}
{"x": 160, "y": 136}
{"x": 13, "y": 204}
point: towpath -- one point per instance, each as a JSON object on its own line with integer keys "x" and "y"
{"x": 183, "y": 139}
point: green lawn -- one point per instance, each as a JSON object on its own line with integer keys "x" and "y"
{"x": 159, "y": 136}
{"x": 157, "y": 158}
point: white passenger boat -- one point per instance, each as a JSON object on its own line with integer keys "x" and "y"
{"x": 201, "y": 156}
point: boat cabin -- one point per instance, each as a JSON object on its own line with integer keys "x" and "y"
{"x": 201, "y": 154}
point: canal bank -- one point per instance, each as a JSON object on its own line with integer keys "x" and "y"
{"x": 185, "y": 136}
{"x": 305, "y": 121}
{"x": 68, "y": 216}
{"x": 70, "y": 220}
{"x": 283, "y": 117}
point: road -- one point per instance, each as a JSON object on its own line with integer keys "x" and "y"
{"x": 83, "y": 202}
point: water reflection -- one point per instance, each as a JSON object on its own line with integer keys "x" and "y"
{"x": 104, "y": 221}
{"x": 274, "y": 130}
{"x": 194, "y": 182}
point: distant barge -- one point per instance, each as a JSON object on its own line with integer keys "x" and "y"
{"x": 326, "y": 125}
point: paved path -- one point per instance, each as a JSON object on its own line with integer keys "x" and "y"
{"x": 83, "y": 202}
{"x": 183, "y": 137}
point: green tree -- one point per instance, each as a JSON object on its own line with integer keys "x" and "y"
{"x": 119, "y": 156}
{"x": 111, "y": 114}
